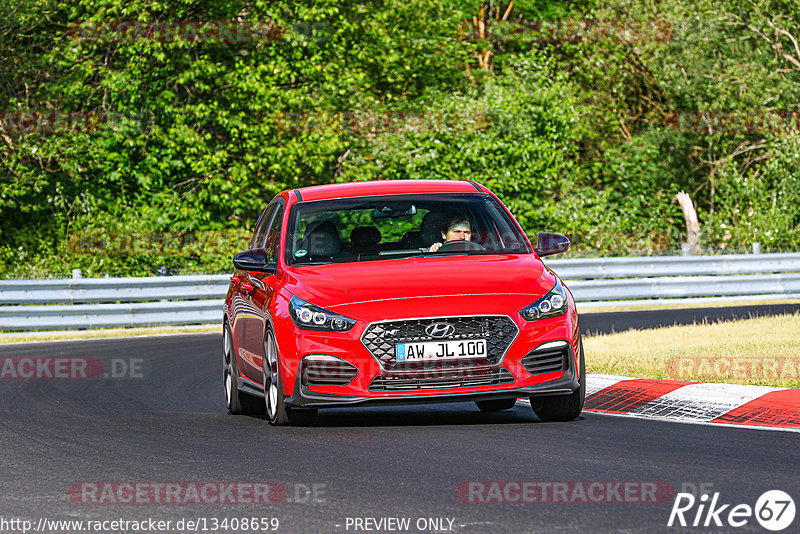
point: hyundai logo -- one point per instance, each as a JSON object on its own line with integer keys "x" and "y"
{"x": 440, "y": 330}
{"x": 390, "y": 333}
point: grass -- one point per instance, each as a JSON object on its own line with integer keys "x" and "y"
{"x": 24, "y": 337}
{"x": 761, "y": 351}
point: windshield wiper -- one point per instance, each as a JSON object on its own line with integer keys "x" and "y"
{"x": 400, "y": 252}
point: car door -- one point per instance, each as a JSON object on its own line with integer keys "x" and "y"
{"x": 258, "y": 298}
{"x": 242, "y": 310}
{"x": 239, "y": 308}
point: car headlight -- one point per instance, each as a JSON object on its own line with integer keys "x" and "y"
{"x": 553, "y": 303}
{"x": 312, "y": 317}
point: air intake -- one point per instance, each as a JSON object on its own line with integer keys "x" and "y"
{"x": 325, "y": 370}
{"x": 551, "y": 357}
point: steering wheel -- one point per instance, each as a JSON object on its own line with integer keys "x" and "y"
{"x": 460, "y": 246}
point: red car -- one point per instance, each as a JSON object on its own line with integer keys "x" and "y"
{"x": 392, "y": 292}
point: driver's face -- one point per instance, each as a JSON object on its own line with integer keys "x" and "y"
{"x": 458, "y": 232}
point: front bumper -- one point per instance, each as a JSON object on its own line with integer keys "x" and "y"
{"x": 302, "y": 396}
{"x": 376, "y": 381}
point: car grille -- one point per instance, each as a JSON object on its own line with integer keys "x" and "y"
{"x": 442, "y": 379}
{"x": 547, "y": 359}
{"x": 498, "y": 331}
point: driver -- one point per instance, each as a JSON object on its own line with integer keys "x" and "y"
{"x": 454, "y": 228}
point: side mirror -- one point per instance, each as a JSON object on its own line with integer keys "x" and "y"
{"x": 548, "y": 243}
{"x": 254, "y": 260}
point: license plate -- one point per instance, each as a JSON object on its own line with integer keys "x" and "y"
{"x": 440, "y": 350}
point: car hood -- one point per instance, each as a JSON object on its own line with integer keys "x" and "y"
{"x": 516, "y": 280}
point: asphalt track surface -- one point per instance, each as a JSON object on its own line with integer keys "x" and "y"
{"x": 168, "y": 423}
{"x": 608, "y": 322}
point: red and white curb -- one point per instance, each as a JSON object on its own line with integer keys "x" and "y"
{"x": 728, "y": 404}
{"x": 691, "y": 402}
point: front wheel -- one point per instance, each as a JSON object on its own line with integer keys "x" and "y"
{"x": 277, "y": 412}
{"x": 562, "y": 407}
{"x": 236, "y": 401}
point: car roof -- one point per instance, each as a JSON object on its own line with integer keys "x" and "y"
{"x": 386, "y": 187}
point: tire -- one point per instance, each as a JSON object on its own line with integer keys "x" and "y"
{"x": 278, "y": 413}
{"x": 496, "y": 405}
{"x": 562, "y": 407}
{"x": 236, "y": 401}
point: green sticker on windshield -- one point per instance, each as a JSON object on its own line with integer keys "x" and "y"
{"x": 300, "y": 253}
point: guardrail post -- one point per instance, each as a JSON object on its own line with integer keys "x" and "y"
{"x": 756, "y": 248}
{"x": 77, "y": 273}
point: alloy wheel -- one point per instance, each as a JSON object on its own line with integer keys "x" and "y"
{"x": 271, "y": 380}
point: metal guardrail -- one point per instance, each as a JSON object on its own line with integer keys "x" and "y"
{"x": 111, "y": 302}
{"x": 670, "y": 280}
{"x": 646, "y": 266}
{"x": 598, "y": 282}
{"x": 15, "y": 318}
{"x": 80, "y": 290}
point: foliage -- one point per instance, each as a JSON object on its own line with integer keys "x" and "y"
{"x": 591, "y": 133}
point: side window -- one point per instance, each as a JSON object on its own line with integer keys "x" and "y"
{"x": 274, "y": 236}
{"x": 261, "y": 230}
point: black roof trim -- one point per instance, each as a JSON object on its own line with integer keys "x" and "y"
{"x": 476, "y": 186}
{"x": 298, "y": 195}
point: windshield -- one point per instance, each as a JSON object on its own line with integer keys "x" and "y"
{"x": 386, "y": 227}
